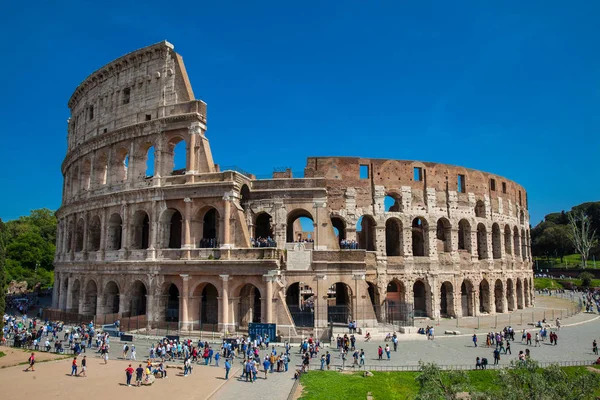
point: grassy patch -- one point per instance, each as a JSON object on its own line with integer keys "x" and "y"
{"x": 2, "y": 354}
{"x": 546, "y": 283}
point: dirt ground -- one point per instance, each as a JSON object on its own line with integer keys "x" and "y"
{"x": 103, "y": 381}
{"x": 16, "y": 356}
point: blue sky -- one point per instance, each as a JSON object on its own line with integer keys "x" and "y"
{"x": 511, "y": 89}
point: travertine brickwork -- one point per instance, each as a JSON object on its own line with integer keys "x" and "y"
{"x": 139, "y": 237}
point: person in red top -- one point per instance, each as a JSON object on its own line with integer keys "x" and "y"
{"x": 129, "y": 374}
{"x": 74, "y": 366}
{"x": 31, "y": 362}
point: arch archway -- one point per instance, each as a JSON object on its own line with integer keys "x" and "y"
{"x": 300, "y": 226}
{"x": 175, "y": 157}
{"x": 467, "y": 292}
{"x": 137, "y": 298}
{"x": 510, "y": 295}
{"x": 79, "y": 235}
{"x": 339, "y": 303}
{"x": 420, "y": 235}
{"x": 250, "y": 309}
{"x": 115, "y": 229}
{"x": 393, "y": 237}
{"x": 299, "y": 298}
{"x": 496, "y": 242}
{"x": 444, "y": 236}
{"x": 141, "y": 230}
{"x": 262, "y": 227}
{"x": 209, "y": 305}
{"x": 421, "y": 299}
{"x": 244, "y": 197}
{"x": 94, "y": 234}
{"x": 464, "y": 235}
{"x": 507, "y": 240}
{"x": 365, "y": 230}
{"x": 172, "y": 303}
{"x": 523, "y": 245}
{"x": 482, "y": 251}
{"x": 484, "y": 297}
{"x": 517, "y": 242}
{"x": 90, "y": 298}
{"x": 339, "y": 227}
{"x": 75, "y": 296}
{"x": 392, "y": 202}
{"x": 210, "y": 225}
{"x": 111, "y": 298}
{"x": 171, "y": 222}
{"x": 499, "y": 296}
{"x": 447, "y": 300}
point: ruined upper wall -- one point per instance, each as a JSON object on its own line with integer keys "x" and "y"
{"x": 344, "y": 172}
{"x": 137, "y": 87}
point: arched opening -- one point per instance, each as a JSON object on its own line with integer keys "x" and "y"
{"x": 496, "y": 242}
{"x": 393, "y": 237}
{"x": 339, "y": 303}
{"x": 392, "y": 203}
{"x": 464, "y": 235}
{"x": 373, "y": 295}
{"x": 209, "y": 310}
{"x": 149, "y": 163}
{"x": 175, "y": 158}
{"x": 250, "y": 305}
{"x": 244, "y": 197}
{"x": 480, "y": 209}
{"x": 499, "y": 296}
{"x": 111, "y": 298}
{"x": 444, "y": 236}
{"x": 365, "y": 230}
{"x": 395, "y": 299}
{"x": 300, "y": 300}
{"x": 86, "y": 175}
{"x": 420, "y": 299}
{"x": 141, "y": 230}
{"x": 300, "y": 226}
{"x": 526, "y": 292}
{"x": 70, "y": 236}
{"x": 262, "y": 227}
{"x": 115, "y": 229}
{"x": 75, "y": 181}
{"x": 507, "y": 240}
{"x": 94, "y": 234}
{"x": 101, "y": 169}
{"x": 482, "y": 251}
{"x": 137, "y": 298}
{"x": 172, "y": 303}
{"x": 120, "y": 165}
{"x": 519, "y": 294}
{"x": 171, "y": 221}
{"x": 522, "y": 217}
{"x": 447, "y": 300}
{"x": 419, "y": 237}
{"x": 517, "y": 242}
{"x": 90, "y": 298}
{"x": 484, "y": 297}
{"x": 510, "y": 295}
{"x": 210, "y": 229}
{"x": 523, "y": 245}
{"x": 79, "y": 236}
{"x": 339, "y": 228}
{"x": 75, "y": 296}
{"x": 467, "y": 299}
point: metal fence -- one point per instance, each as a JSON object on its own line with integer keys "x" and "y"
{"x": 41, "y": 348}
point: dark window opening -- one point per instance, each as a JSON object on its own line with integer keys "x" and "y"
{"x": 364, "y": 172}
{"x": 148, "y": 117}
{"x": 504, "y": 187}
{"x": 520, "y": 198}
{"x": 418, "y": 174}
{"x": 493, "y": 185}
{"x": 126, "y": 95}
{"x": 461, "y": 184}
{"x": 91, "y": 112}
{"x": 105, "y": 130}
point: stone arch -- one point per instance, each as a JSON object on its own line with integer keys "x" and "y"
{"x": 496, "y": 242}
{"x": 480, "y": 211}
{"x": 421, "y": 298}
{"x": 208, "y": 227}
{"x": 523, "y": 245}
{"x": 75, "y": 181}
{"x": 447, "y": 300}
{"x": 171, "y": 301}
{"x": 145, "y": 160}
{"x": 467, "y": 292}
{"x": 70, "y": 236}
{"x": 79, "y": 237}
{"x": 115, "y": 230}
{"x": 294, "y": 227}
{"x": 507, "y": 240}
{"x": 94, "y": 234}
{"x": 484, "y": 297}
{"x": 90, "y": 298}
{"x": 300, "y": 300}
{"x": 173, "y": 162}
{"x": 263, "y": 226}
{"x": 365, "y": 231}
{"x": 517, "y": 242}
{"x": 464, "y": 235}
{"x": 499, "y": 296}
{"x": 121, "y": 165}
{"x": 101, "y": 168}
{"x": 393, "y": 237}
{"x": 393, "y": 202}
{"x": 209, "y": 301}
{"x": 339, "y": 303}
{"x": 482, "y": 249}
{"x": 526, "y": 292}
{"x": 141, "y": 230}
{"x": 75, "y": 295}
{"x": 86, "y": 174}
{"x": 420, "y": 237}
{"x": 137, "y": 298}
{"x": 522, "y": 217}
{"x": 339, "y": 227}
{"x": 171, "y": 222}
{"x": 244, "y": 196}
{"x": 510, "y": 295}
{"x": 395, "y": 300}
{"x": 111, "y": 296}
{"x": 250, "y": 307}
{"x": 444, "y": 235}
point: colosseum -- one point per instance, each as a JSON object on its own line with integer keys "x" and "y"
{"x": 372, "y": 240}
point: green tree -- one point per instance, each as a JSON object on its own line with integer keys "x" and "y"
{"x": 581, "y": 234}
{"x": 586, "y": 279}
{"x": 436, "y": 384}
{"x": 2, "y": 278}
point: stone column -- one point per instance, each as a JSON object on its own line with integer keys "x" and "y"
{"x": 224, "y": 306}
{"x": 125, "y": 240}
{"x": 492, "y": 297}
{"x": 123, "y": 303}
{"x": 226, "y": 243}
{"x": 69, "y": 302}
{"x": 73, "y": 242}
{"x": 187, "y": 222}
{"x": 55, "y": 292}
{"x": 151, "y": 253}
{"x": 103, "y": 232}
{"x": 131, "y": 170}
{"x": 269, "y": 298}
{"x": 321, "y": 303}
{"x": 185, "y": 293}
{"x": 84, "y": 250}
{"x": 192, "y": 164}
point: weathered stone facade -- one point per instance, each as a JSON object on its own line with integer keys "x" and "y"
{"x": 177, "y": 245}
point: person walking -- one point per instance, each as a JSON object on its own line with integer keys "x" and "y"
{"x": 328, "y": 360}
{"x": 322, "y": 362}
{"x": 475, "y": 339}
{"x": 133, "y": 352}
{"x": 129, "y": 374}
{"x": 537, "y": 339}
{"x": 507, "y": 348}
{"x": 380, "y": 353}
{"x": 595, "y": 347}
{"x": 227, "y": 368}
{"x": 139, "y": 373}
{"x": 74, "y": 367}
{"x": 387, "y": 351}
{"x": 529, "y": 338}
{"x": 266, "y": 365}
{"x": 31, "y": 363}
{"x": 83, "y": 366}
{"x": 496, "y": 356}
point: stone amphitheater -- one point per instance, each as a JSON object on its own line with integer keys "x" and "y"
{"x": 210, "y": 248}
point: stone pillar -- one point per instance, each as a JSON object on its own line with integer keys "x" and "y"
{"x": 194, "y": 130}
{"x": 224, "y": 306}
{"x": 153, "y": 239}
{"x": 185, "y": 293}
{"x": 187, "y": 222}
{"x": 123, "y": 303}
{"x": 226, "y": 243}
{"x": 269, "y": 298}
{"x": 431, "y": 239}
{"x": 131, "y": 170}
{"x": 55, "y": 292}
{"x": 125, "y": 239}
{"x": 434, "y": 299}
{"x": 73, "y": 242}
{"x": 457, "y": 299}
{"x": 407, "y": 241}
{"x": 69, "y": 302}
{"x": 321, "y": 303}
{"x": 86, "y": 218}
{"x": 492, "y": 297}
{"x": 103, "y": 232}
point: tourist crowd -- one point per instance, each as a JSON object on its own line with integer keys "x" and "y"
{"x": 263, "y": 242}
{"x": 348, "y": 244}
